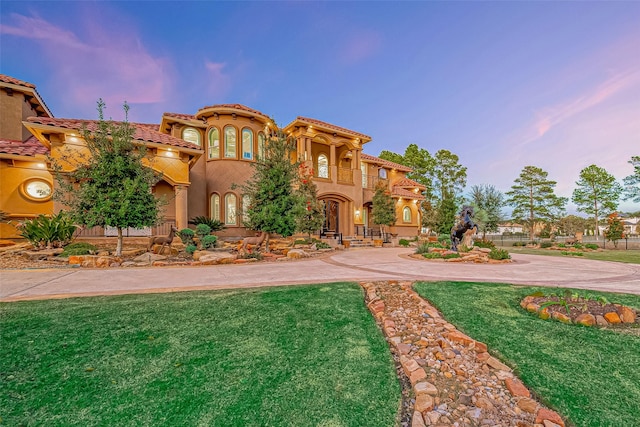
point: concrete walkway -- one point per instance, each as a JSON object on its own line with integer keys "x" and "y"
{"x": 350, "y": 265}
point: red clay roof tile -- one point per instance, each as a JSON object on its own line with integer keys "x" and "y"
{"x": 386, "y": 163}
{"x": 13, "y": 80}
{"x": 236, "y": 107}
{"x": 317, "y": 122}
{"x": 401, "y": 192}
{"x": 31, "y": 147}
{"x": 143, "y": 131}
{"x": 181, "y": 116}
{"x": 406, "y": 182}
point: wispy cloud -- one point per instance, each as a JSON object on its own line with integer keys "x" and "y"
{"x": 552, "y": 116}
{"x": 96, "y": 61}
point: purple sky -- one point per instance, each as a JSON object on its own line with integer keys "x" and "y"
{"x": 502, "y": 84}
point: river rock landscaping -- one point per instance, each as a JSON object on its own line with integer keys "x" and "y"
{"x": 449, "y": 378}
{"x": 579, "y": 310}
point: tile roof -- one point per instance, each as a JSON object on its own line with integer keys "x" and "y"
{"x": 401, "y": 192}
{"x": 236, "y": 107}
{"x": 406, "y": 182}
{"x": 12, "y": 80}
{"x": 330, "y": 126}
{"x": 385, "y": 163}
{"x": 181, "y": 116}
{"x": 143, "y": 131}
{"x": 31, "y": 147}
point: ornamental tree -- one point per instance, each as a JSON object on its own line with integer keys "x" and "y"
{"x": 110, "y": 186}
{"x": 311, "y": 215}
{"x": 615, "y": 229}
{"x": 273, "y": 203}
{"x": 533, "y": 199}
{"x": 597, "y": 192}
{"x": 383, "y": 211}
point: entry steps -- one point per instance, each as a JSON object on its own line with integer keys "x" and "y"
{"x": 357, "y": 242}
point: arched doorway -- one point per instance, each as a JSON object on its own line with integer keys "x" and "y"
{"x": 338, "y": 214}
{"x": 331, "y": 216}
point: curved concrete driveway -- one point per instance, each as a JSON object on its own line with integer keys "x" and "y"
{"x": 351, "y": 265}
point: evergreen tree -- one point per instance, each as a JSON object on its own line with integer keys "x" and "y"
{"x": 488, "y": 202}
{"x": 597, "y": 192}
{"x": 311, "y": 215}
{"x": 632, "y": 182}
{"x": 109, "y": 187}
{"x": 615, "y": 229}
{"x": 533, "y": 199}
{"x": 274, "y": 204}
{"x": 383, "y": 211}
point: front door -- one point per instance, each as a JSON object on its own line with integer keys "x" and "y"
{"x": 332, "y": 216}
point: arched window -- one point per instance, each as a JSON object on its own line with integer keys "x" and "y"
{"x": 230, "y": 209}
{"x": 246, "y": 201}
{"x": 406, "y": 214}
{"x": 382, "y": 173}
{"x": 214, "y": 143}
{"x": 323, "y": 166}
{"x": 230, "y": 142}
{"x": 247, "y": 144}
{"x": 262, "y": 140}
{"x": 191, "y": 135}
{"x": 214, "y": 207}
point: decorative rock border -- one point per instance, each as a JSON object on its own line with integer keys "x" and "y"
{"x": 450, "y": 378}
{"x": 612, "y": 314}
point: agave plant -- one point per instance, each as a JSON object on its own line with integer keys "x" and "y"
{"x": 43, "y": 231}
{"x": 214, "y": 224}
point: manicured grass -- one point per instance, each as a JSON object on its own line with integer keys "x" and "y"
{"x": 588, "y": 374}
{"x": 631, "y": 256}
{"x": 289, "y": 356}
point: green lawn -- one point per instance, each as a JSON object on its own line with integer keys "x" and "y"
{"x": 288, "y": 356}
{"x": 630, "y": 256}
{"x": 590, "y": 375}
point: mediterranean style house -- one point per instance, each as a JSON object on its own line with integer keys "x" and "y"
{"x": 201, "y": 157}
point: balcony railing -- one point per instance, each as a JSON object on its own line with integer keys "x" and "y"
{"x": 345, "y": 176}
{"x": 370, "y": 181}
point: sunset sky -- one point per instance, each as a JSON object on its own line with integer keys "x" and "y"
{"x": 502, "y": 84}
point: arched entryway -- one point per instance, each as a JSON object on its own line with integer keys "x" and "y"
{"x": 338, "y": 215}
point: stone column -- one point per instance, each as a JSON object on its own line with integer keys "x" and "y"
{"x": 333, "y": 168}
{"x": 182, "y": 214}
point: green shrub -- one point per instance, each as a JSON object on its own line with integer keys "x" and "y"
{"x": 591, "y": 246}
{"x": 519, "y": 244}
{"x": 202, "y": 230}
{"x": 251, "y": 255}
{"x": 499, "y": 254}
{"x": 322, "y": 245}
{"x": 44, "y": 231}
{"x": 431, "y": 255}
{"x": 213, "y": 224}
{"x": 463, "y": 248}
{"x": 484, "y": 244}
{"x": 422, "y": 249}
{"x": 449, "y": 256}
{"x": 403, "y": 242}
{"x": 578, "y": 245}
{"x": 190, "y": 249}
{"x": 78, "y": 248}
{"x": 209, "y": 241}
{"x": 545, "y": 245}
{"x": 186, "y": 235}
{"x": 561, "y": 245}
{"x": 444, "y": 239}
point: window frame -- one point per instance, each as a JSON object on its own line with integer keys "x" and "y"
{"x": 196, "y": 131}
{"x": 328, "y": 171}
{"x": 228, "y": 213}
{"x": 210, "y": 133}
{"x": 227, "y": 142}
{"x": 214, "y": 213}
{"x": 406, "y": 210}
{"x": 247, "y": 144}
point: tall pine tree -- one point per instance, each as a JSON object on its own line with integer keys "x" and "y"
{"x": 383, "y": 211}
{"x": 311, "y": 213}
{"x": 533, "y": 198}
{"x": 273, "y": 202}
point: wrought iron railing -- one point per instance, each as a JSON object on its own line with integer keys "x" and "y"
{"x": 372, "y": 181}
{"x": 345, "y": 176}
